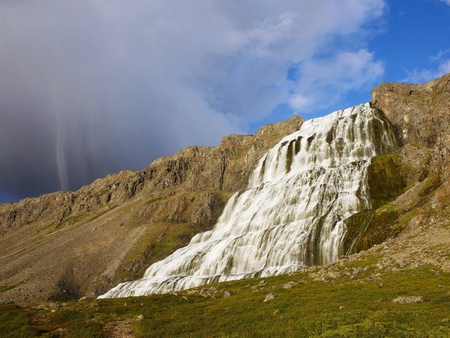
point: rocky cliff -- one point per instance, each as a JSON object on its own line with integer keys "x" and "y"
{"x": 411, "y": 186}
{"x": 69, "y": 244}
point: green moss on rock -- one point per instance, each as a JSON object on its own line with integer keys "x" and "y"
{"x": 384, "y": 179}
{"x": 382, "y": 226}
{"x": 356, "y": 227}
{"x": 371, "y": 227}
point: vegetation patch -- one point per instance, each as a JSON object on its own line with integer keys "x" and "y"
{"x": 153, "y": 200}
{"x": 68, "y": 220}
{"x": 100, "y": 214}
{"x": 77, "y": 323}
{"x": 242, "y": 150}
{"x": 432, "y": 182}
{"x": 418, "y": 98}
{"x": 14, "y": 322}
{"x": 389, "y": 207}
{"x": 358, "y": 306}
{"x": 384, "y": 179}
{"x": 4, "y": 288}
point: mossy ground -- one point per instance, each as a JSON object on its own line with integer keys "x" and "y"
{"x": 343, "y": 307}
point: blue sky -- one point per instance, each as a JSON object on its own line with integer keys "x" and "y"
{"x": 91, "y": 87}
{"x": 416, "y": 45}
{"x": 410, "y": 41}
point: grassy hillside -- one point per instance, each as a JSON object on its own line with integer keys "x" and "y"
{"x": 349, "y": 299}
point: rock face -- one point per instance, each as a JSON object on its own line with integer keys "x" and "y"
{"x": 420, "y": 114}
{"x": 411, "y": 187}
{"x": 70, "y": 244}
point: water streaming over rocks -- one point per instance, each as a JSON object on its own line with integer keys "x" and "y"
{"x": 293, "y": 212}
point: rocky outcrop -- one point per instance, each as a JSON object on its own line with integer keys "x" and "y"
{"x": 410, "y": 188}
{"x": 420, "y": 115}
{"x": 70, "y": 244}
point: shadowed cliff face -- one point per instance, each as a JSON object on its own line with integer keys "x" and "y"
{"x": 68, "y": 244}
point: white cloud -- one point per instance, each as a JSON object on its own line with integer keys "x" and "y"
{"x": 442, "y": 67}
{"x": 125, "y": 81}
{"x": 299, "y": 102}
{"x": 324, "y": 81}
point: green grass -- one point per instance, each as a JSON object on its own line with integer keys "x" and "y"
{"x": 390, "y": 207}
{"x": 345, "y": 307}
{"x": 78, "y": 324}
{"x": 68, "y": 220}
{"x": 101, "y": 214}
{"x": 418, "y": 98}
{"x": 14, "y": 322}
{"x": 4, "y": 288}
{"x": 153, "y": 200}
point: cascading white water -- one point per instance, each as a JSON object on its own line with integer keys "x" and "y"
{"x": 293, "y": 213}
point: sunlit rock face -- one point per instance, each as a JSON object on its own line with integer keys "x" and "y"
{"x": 291, "y": 215}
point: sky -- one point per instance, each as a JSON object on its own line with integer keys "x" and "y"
{"x": 92, "y": 87}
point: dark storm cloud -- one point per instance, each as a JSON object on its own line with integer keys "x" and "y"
{"x": 90, "y": 87}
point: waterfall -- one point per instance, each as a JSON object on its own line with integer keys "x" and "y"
{"x": 293, "y": 212}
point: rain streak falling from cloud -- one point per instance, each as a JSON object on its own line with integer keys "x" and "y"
{"x": 90, "y": 87}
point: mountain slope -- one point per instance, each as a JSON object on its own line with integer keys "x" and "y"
{"x": 69, "y": 244}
